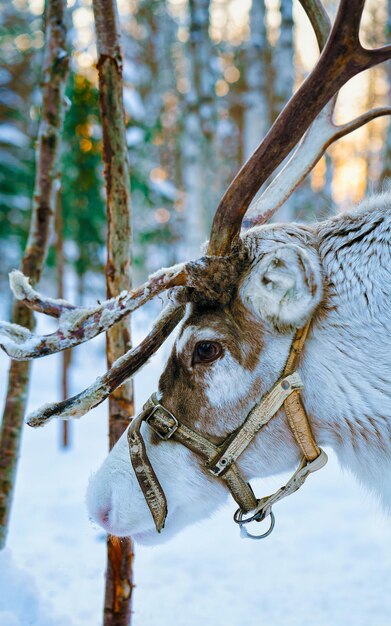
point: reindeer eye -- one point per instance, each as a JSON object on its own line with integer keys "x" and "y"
{"x": 206, "y": 352}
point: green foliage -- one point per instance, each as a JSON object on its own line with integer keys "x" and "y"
{"x": 20, "y": 43}
{"x": 82, "y": 203}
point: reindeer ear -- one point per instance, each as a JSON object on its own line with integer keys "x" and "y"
{"x": 284, "y": 286}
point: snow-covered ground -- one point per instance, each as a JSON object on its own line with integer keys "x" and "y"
{"x": 327, "y": 563}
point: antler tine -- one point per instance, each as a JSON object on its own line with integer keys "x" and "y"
{"x": 318, "y": 138}
{"x": 123, "y": 368}
{"x": 79, "y": 324}
{"x": 321, "y": 134}
{"x": 23, "y": 291}
{"x": 319, "y": 19}
{"x": 326, "y": 78}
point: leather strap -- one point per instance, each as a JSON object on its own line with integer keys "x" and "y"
{"x": 293, "y": 405}
{"x": 166, "y": 426}
{"x": 147, "y": 479}
{"x": 300, "y": 426}
{"x": 220, "y": 460}
{"x": 296, "y": 349}
{"x": 258, "y": 417}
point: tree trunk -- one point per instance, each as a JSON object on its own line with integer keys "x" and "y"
{"x": 284, "y": 71}
{"x": 300, "y": 204}
{"x": 257, "y": 109}
{"x": 199, "y": 124}
{"x": 55, "y": 68}
{"x": 119, "y": 583}
{"x": 284, "y": 76}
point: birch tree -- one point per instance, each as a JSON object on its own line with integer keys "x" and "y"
{"x": 119, "y": 584}
{"x": 284, "y": 79}
{"x": 284, "y": 75}
{"x": 197, "y": 169}
{"x": 55, "y": 69}
{"x": 283, "y": 59}
{"x": 257, "y": 106}
{"x": 65, "y": 356}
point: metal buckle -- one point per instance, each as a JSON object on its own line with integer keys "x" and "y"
{"x": 171, "y": 430}
{"x": 216, "y": 470}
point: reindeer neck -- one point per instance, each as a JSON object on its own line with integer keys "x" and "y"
{"x": 346, "y": 368}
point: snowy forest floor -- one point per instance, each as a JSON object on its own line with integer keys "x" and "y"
{"x": 327, "y": 563}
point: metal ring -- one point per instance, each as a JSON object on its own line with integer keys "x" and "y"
{"x": 244, "y": 532}
{"x": 258, "y": 516}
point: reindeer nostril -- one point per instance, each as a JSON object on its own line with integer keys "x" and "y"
{"x": 101, "y": 515}
{"x": 104, "y": 516}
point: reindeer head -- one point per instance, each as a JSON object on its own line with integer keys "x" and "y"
{"x": 227, "y": 354}
{"x": 244, "y": 302}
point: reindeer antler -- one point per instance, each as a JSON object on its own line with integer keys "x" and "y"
{"x": 322, "y": 133}
{"x": 342, "y": 58}
{"x": 78, "y": 324}
{"x": 125, "y": 367}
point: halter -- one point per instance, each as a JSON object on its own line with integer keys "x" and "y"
{"x": 220, "y": 460}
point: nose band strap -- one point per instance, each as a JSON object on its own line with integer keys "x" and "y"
{"x": 145, "y": 474}
{"x": 166, "y": 426}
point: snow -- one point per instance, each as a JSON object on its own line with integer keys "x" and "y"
{"x": 327, "y": 562}
{"x": 22, "y": 604}
{"x": 20, "y": 285}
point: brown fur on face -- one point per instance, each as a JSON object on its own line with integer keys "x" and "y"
{"x": 216, "y": 313}
{"x": 182, "y": 384}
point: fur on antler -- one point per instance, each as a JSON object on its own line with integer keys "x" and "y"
{"x": 123, "y": 368}
{"x": 210, "y": 277}
{"x": 77, "y": 324}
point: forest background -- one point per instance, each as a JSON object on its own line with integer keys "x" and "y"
{"x": 203, "y": 82}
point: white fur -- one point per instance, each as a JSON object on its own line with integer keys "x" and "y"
{"x": 227, "y": 381}
{"x": 284, "y": 286}
{"x": 346, "y": 371}
{"x": 115, "y": 500}
{"x": 193, "y": 334}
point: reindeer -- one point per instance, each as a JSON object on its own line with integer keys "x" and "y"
{"x": 284, "y": 342}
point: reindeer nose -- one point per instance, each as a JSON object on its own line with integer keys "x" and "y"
{"x": 99, "y": 504}
{"x": 103, "y": 515}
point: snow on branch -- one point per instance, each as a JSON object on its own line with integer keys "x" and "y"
{"x": 22, "y": 290}
{"x": 122, "y": 369}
